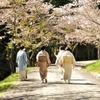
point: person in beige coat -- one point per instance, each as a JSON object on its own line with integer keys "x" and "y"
{"x": 43, "y": 62}
{"x": 67, "y": 62}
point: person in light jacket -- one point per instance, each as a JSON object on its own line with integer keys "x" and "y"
{"x": 22, "y": 61}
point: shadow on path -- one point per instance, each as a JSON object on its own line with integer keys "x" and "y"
{"x": 82, "y": 87}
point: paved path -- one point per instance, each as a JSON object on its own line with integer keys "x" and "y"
{"x": 83, "y": 86}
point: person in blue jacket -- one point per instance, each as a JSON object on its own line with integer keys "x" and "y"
{"x": 22, "y": 61}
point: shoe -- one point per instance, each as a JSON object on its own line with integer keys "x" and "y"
{"x": 45, "y": 80}
{"x": 65, "y": 81}
{"x": 21, "y": 80}
{"x": 61, "y": 78}
{"x": 42, "y": 80}
{"x": 68, "y": 81}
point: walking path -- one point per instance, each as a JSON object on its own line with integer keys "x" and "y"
{"x": 83, "y": 86}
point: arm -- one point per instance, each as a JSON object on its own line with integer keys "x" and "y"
{"x": 48, "y": 59}
{"x": 55, "y": 54}
{"x": 25, "y": 58}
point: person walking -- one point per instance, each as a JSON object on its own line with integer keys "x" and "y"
{"x": 43, "y": 62}
{"x": 58, "y": 58}
{"x": 67, "y": 62}
{"x": 22, "y": 62}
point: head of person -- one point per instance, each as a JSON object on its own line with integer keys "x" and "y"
{"x": 61, "y": 48}
{"x": 43, "y": 48}
{"x": 22, "y": 47}
{"x": 68, "y": 49}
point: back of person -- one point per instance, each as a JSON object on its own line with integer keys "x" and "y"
{"x": 68, "y": 62}
{"x": 61, "y": 51}
{"x": 67, "y": 58}
{"x": 43, "y": 61}
{"x": 21, "y": 60}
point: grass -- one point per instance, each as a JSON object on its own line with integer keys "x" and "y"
{"x": 94, "y": 67}
{"x": 8, "y": 82}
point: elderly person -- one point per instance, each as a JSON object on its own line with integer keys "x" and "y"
{"x": 43, "y": 61}
{"x": 21, "y": 61}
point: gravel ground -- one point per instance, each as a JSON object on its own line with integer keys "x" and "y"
{"x": 83, "y": 86}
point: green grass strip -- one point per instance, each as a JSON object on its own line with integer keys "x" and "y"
{"x": 94, "y": 67}
{"x": 8, "y": 82}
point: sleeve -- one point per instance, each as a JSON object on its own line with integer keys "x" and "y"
{"x": 61, "y": 61}
{"x": 25, "y": 57}
{"x": 16, "y": 59}
{"x": 55, "y": 54}
{"x": 48, "y": 59}
{"x": 37, "y": 57}
{"x": 58, "y": 60}
{"x": 74, "y": 61}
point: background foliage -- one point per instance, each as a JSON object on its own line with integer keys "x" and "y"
{"x": 33, "y": 23}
